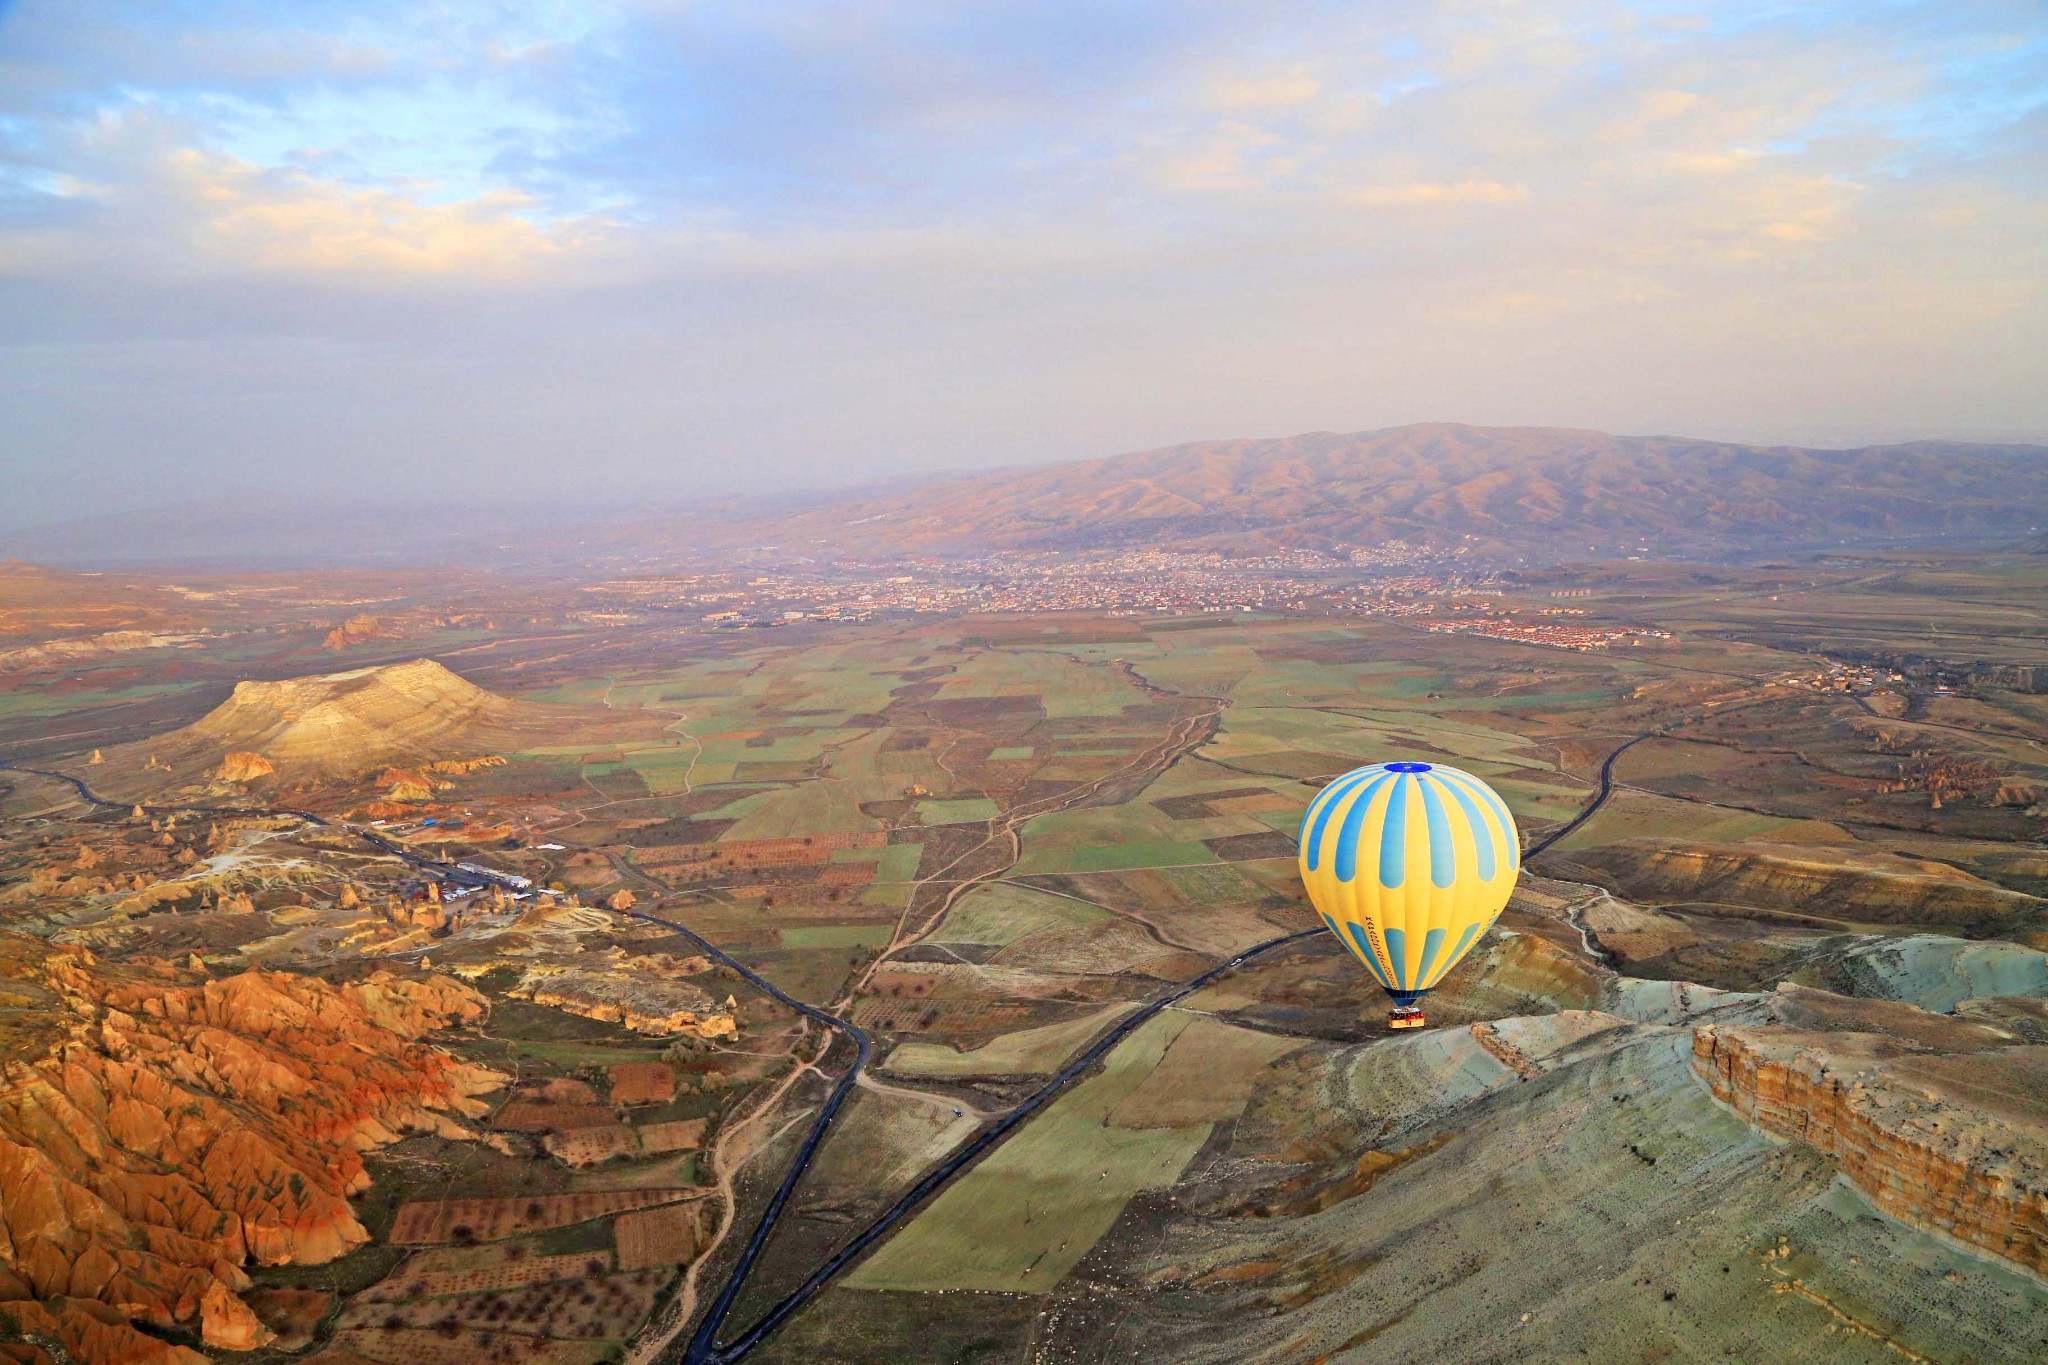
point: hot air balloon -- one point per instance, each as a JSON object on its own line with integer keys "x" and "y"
{"x": 1409, "y": 864}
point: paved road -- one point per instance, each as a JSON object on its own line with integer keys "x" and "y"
{"x": 1600, "y": 799}
{"x": 704, "y": 1347}
{"x": 703, "y": 1343}
{"x": 705, "y": 1350}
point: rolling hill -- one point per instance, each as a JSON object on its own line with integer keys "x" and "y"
{"x": 1551, "y": 492}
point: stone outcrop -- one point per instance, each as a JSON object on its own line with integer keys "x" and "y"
{"x": 243, "y": 766}
{"x": 408, "y": 784}
{"x": 462, "y": 767}
{"x": 160, "y": 1131}
{"x": 650, "y": 994}
{"x": 69, "y": 653}
{"x": 1944, "y": 1129}
{"x": 356, "y": 630}
{"x": 228, "y": 1324}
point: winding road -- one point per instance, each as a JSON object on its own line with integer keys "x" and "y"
{"x": 1592, "y": 807}
{"x": 704, "y": 1346}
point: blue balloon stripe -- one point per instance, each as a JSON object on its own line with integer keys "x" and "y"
{"x": 1464, "y": 942}
{"x": 1354, "y": 823}
{"x": 1322, "y": 800}
{"x": 1507, "y": 822}
{"x": 1324, "y": 807}
{"x": 1432, "y": 944}
{"x": 1397, "y": 949}
{"x": 1317, "y": 816}
{"x": 1443, "y": 853}
{"x": 1394, "y": 836}
{"x": 1365, "y": 954}
{"x": 1306, "y": 835}
{"x": 1482, "y": 832}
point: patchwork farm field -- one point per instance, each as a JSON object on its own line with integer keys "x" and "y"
{"x": 988, "y": 844}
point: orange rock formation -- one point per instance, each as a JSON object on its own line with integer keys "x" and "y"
{"x": 355, "y": 631}
{"x": 158, "y": 1133}
{"x": 242, "y": 766}
{"x": 408, "y": 784}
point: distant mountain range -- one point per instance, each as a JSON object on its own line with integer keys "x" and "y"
{"x": 1547, "y": 492}
{"x": 1541, "y": 493}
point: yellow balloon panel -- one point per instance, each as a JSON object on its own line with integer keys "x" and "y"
{"x": 1409, "y": 864}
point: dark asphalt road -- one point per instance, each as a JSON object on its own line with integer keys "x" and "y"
{"x": 1599, "y": 799}
{"x": 703, "y": 1351}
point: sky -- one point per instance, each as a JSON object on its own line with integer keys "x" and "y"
{"x": 645, "y": 251}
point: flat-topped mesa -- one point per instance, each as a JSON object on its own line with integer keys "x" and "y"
{"x": 342, "y": 725}
{"x": 1953, "y": 1142}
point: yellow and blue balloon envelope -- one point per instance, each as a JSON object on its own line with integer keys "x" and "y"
{"x": 1409, "y": 864}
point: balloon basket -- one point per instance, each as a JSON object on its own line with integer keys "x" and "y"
{"x": 1407, "y": 1017}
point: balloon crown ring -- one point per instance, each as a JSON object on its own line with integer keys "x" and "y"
{"x": 1408, "y": 767}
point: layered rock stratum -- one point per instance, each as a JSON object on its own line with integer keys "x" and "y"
{"x": 334, "y": 726}
{"x": 1934, "y": 1138}
{"x": 1621, "y": 1168}
{"x": 1871, "y": 887}
{"x": 160, "y": 1130}
{"x": 338, "y": 724}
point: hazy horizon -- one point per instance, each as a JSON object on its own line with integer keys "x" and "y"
{"x": 641, "y": 251}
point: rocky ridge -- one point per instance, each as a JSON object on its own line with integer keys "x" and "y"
{"x": 1778, "y": 1174}
{"x": 159, "y": 1130}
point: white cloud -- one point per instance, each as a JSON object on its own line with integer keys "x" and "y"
{"x": 277, "y": 220}
{"x": 854, "y": 233}
{"x": 1271, "y": 90}
{"x": 1432, "y": 193}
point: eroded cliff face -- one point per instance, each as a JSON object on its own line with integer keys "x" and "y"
{"x": 168, "y": 1130}
{"x": 1946, "y": 1131}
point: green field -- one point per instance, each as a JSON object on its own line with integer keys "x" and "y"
{"x": 1022, "y": 1219}
{"x": 1027, "y": 1052}
{"x": 1002, "y": 913}
{"x": 835, "y": 936}
{"x": 962, "y": 812}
